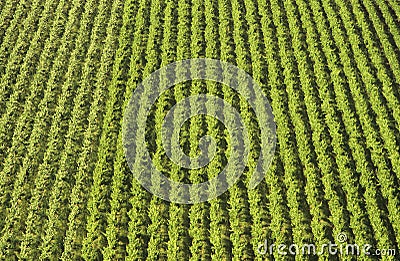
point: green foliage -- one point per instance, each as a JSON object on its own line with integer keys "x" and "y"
{"x": 330, "y": 68}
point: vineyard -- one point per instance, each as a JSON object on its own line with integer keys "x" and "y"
{"x": 330, "y": 70}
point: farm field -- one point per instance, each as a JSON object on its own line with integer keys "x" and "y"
{"x": 329, "y": 68}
